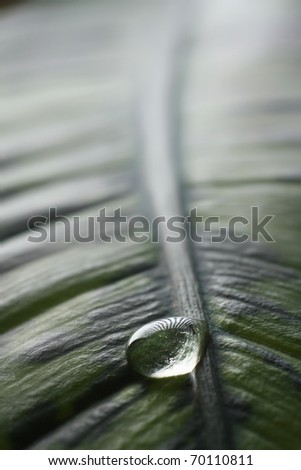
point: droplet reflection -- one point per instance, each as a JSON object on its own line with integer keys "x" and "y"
{"x": 166, "y": 348}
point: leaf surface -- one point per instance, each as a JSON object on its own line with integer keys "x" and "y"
{"x": 221, "y": 108}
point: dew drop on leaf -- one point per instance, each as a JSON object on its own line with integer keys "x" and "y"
{"x": 166, "y": 348}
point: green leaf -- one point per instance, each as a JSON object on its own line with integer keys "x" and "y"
{"x": 215, "y": 91}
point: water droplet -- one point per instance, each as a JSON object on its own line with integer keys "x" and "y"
{"x": 166, "y": 348}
